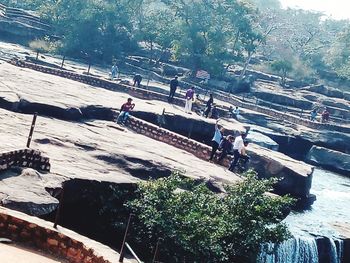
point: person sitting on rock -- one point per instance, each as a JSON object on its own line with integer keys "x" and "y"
{"x": 137, "y": 80}
{"x": 225, "y": 147}
{"x": 313, "y": 115}
{"x": 216, "y": 140}
{"x": 215, "y": 113}
{"x": 125, "y": 111}
{"x": 238, "y": 146}
{"x": 235, "y": 113}
{"x": 325, "y": 116}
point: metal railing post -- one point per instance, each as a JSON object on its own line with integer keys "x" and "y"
{"x": 57, "y": 217}
{"x": 31, "y": 130}
{"x": 156, "y": 252}
{"x": 122, "y": 250}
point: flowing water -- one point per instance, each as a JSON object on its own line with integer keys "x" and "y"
{"x": 332, "y": 207}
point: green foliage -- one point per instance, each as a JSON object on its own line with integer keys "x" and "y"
{"x": 200, "y": 34}
{"x": 339, "y": 54}
{"x": 282, "y": 67}
{"x": 194, "y": 223}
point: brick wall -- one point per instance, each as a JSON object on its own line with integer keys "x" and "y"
{"x": 62, "y": 243}
{"x": 24, "y": 158}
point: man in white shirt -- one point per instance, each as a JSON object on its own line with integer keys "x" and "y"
{"x": 238, "y": 149}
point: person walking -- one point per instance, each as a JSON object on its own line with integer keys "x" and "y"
{"x": 189, "y": 100}
{"x": 238, "y": 145}
{"x": 209, "y": 105}
{"x": 125, "y": 111}
{"x": 174, "y": 83}
{"x": 218, "y": 134}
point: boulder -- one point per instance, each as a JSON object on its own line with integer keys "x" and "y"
{"x": 27, "y": 190}
{"x": 329, "y": 158}
{"x": 262, "y": 140}
{"x": 284, "y": 99}
{"x": 328, "y": 91}
{"x": 295, "y": 176}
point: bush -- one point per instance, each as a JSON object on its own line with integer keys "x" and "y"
{"x": 195, "y": 224}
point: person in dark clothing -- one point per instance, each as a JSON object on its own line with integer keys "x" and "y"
{"x": 137, "y": 80}
{"x": 208, "y": 106}
{"x": 214, "y": 113}
{"x": 216, "y": 140}
{"x": 124, "y": 111}
{"x": 226, "y": 147}
{"x": 174, "y": 83}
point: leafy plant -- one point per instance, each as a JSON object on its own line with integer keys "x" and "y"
{"x": 198, "y": 225}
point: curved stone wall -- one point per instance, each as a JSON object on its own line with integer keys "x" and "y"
{"x": 61, "y": 243}
{"x": 24, "y": 158}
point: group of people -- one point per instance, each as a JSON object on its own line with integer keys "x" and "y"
{"x": 189, "y": 96}
{"x": 229, "y": 145}
{"x": 324, "y": 115}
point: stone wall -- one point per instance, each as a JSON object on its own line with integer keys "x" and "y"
{"x": 61, "y": 243}
{"x": 24, "y": 158}
{"x": 147, "y": 94}
{"x": 296, "y": 177}
{"x": 99, "y": 82}
{"x": 281, "y": 115}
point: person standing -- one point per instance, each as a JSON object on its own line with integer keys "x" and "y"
{"x": 114, "y": 71}
{"x": 174, "y": 83}
{"x": 137, "y": 80}
{"x": 209, "y": 105}
{"x": 216, "y": 140}
{"x": 238, "y": 145}
{"x": 189, "y": 100}
{"x": 325, "y": 115}
{"x": 125, "y": 111}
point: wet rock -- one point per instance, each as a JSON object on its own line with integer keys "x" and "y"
{"x": 329, "y": 158}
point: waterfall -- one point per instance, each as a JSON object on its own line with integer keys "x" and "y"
{"x": 301, "y": 250}
{"x": 295, "y": 250}
{"x": 336, "y": 252}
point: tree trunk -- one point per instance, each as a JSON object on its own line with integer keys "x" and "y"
{"x": 246, "y": 64}
{"x": 37, "y": 55}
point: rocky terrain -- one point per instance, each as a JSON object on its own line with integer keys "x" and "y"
{"x": 21, "y": 25}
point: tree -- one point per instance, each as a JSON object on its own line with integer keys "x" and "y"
{"x": 39, "y": 46}
{"x": 282, "y": 67}
{"x": 338, "y": 55}
{"x": 201, "y": 226}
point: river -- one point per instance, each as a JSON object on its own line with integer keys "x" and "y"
{"x": 331, "y": 207}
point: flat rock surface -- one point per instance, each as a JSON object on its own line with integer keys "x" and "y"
{"x": 95, "y": 150}
{"x": 16, "y": 254}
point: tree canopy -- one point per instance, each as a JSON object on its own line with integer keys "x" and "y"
{"x": 209, "y": 35}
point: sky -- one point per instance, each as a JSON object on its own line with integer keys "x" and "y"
{"x": 337, "y": 9}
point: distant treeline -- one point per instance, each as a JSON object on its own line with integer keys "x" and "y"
{"x": 204, "y": 34}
